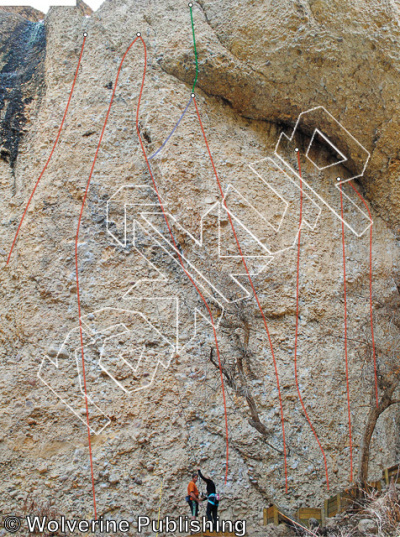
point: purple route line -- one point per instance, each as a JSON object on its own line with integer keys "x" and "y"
{"x": 173, "y": 130}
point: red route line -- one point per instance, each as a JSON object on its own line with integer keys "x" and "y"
{"x": 51, "y": 153}
{"x": 182, "y": 265}
{"x": 370, "y": 293}
{"x": 177, "y": 251}
{"x": 254, "y": 291}
{"x": 77, "y": 276}
{"x": 345, "y": 334}
{"x": 297, "y": 324}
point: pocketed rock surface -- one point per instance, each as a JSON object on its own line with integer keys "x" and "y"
{"x": 155, "y": 399}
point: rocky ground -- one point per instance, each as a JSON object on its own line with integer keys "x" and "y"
{"x": 260, "y": 66}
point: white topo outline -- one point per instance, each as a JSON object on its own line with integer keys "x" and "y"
{"x": 338, "y": 183}
{"x": 144, "y": 220}
{"x": 305, "y": 222}
{"x": 317, "y": 131}
{"x": 93, "y": 336}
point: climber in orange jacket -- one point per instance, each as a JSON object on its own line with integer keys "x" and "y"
{"x": 193, "y": 497}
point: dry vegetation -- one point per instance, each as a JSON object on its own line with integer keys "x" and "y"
{"x": 375, "y": 513}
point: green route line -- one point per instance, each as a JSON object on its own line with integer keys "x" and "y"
{"x": 194, "y": 46}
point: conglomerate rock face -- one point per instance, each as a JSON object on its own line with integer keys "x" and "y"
{"x": 273, "y": 60}
{"x": 155, "y": 400}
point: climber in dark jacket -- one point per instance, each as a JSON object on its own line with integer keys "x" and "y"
{"x": 212, "y": 497}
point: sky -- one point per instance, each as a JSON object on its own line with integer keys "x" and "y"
{"x": 43, "y": 5}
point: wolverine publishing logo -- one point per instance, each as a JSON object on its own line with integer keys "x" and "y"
{"x": 181, "y": 524}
